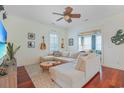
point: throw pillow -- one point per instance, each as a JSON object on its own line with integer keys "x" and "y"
{"x": 50, "y": 54}
{"x": 65, "y": 53}
{"x": 80, "y": 64}
{"x": 57, "y": 53}
{"x": 74, "y": 55}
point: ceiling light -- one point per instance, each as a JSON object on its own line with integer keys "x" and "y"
{"x": 66, "y": 17}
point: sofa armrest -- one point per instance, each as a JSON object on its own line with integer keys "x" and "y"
{"x": 92, "y": 66}
{"x": 42, "y": 59}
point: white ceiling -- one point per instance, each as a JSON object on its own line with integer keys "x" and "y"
{"x": 43, "y": 13}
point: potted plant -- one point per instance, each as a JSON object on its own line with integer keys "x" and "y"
{"x": 11, "y": 51}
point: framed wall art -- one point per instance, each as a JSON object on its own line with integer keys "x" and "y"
{"x": 71, "y": 41}
{"x": 31, "y": 36}
{"x": 31, "y": 44}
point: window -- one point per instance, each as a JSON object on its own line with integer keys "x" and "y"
{"x": 98, "y": 42}
{"x": 87, "y": 42}
{"x": 93, "y": 42}
{"x": 54, "y": 44}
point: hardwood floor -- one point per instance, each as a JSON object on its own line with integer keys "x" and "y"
{"x": 112, "y": 78}
{"x": 23, "y": 79}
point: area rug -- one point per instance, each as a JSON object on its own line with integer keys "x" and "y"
{"x": 39, "y": 78}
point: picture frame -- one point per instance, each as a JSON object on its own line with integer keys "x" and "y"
{"x": 31, "y": 44}
{"x": 31, "y": 36}
{"x": 71, "y": 41}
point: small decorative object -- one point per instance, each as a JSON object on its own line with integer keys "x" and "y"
{"x": 31, "y": 36}
{"x": 11, "y": 51}
{"x": 71, "y": 42}
{"x": 62, "y": 44}
{"x": 43, "y": 45}
{"x": 3, "y": 71}
{"x": 4, "y": 14}
{"x": 31, "y": 44}
{"x": 118, "y": 38}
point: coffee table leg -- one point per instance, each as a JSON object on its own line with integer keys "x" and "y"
{"x": 42, "y": 69}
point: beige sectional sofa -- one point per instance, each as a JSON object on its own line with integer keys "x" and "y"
{"x": 79, "y": 68}
{"x": 67, "y": 76}
{"x": 63, "y": 56}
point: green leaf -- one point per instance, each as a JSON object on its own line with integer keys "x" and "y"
{"x": 11, "y": 51}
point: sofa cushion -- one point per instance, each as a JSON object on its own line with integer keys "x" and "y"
{"x": 49, "y": 58}
{"x": 80, "y": 63}
{"x": 82, "y": 59}
{"x": 42, "y": 59}
{"x": 65, "y": 53}
{"x": 65, "y": 59}
{"x": 74, "y": 54}
{"x": 64, "y": 75}
{"x": 57, "y": 53}
{"x": 50, "y": 54}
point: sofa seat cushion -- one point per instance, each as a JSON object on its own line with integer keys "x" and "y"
{"x": 65, "y": 59}
{"x": 49, "y": 58}
{"x": 66, "y": 76}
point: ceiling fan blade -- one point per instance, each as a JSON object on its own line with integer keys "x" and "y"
{"x": 69, "y": 20}
{"x": 4, "y": 15}
{"x": 58, "y": 14}
{"x": 68, "y": 10}
{"x": 75, "y": 15}
{"x": 59, "y": 19}
{"x": 1, "y": 8}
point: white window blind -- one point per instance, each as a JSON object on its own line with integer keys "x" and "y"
{"x": 87, "y": 42}
{"x": 54, "y": 44}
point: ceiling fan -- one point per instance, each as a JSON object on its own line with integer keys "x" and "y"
{"x": 67, "y": 15}
{"x": 4, "y": 14}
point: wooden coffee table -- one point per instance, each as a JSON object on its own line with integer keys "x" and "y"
{"x": 48, "y": 64}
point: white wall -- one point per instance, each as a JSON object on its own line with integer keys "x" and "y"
{"x": 113, "y": 55}
{"x": 18, "y": 28}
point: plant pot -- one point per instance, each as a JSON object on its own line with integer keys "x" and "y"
{"x": 9, "y": 62}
